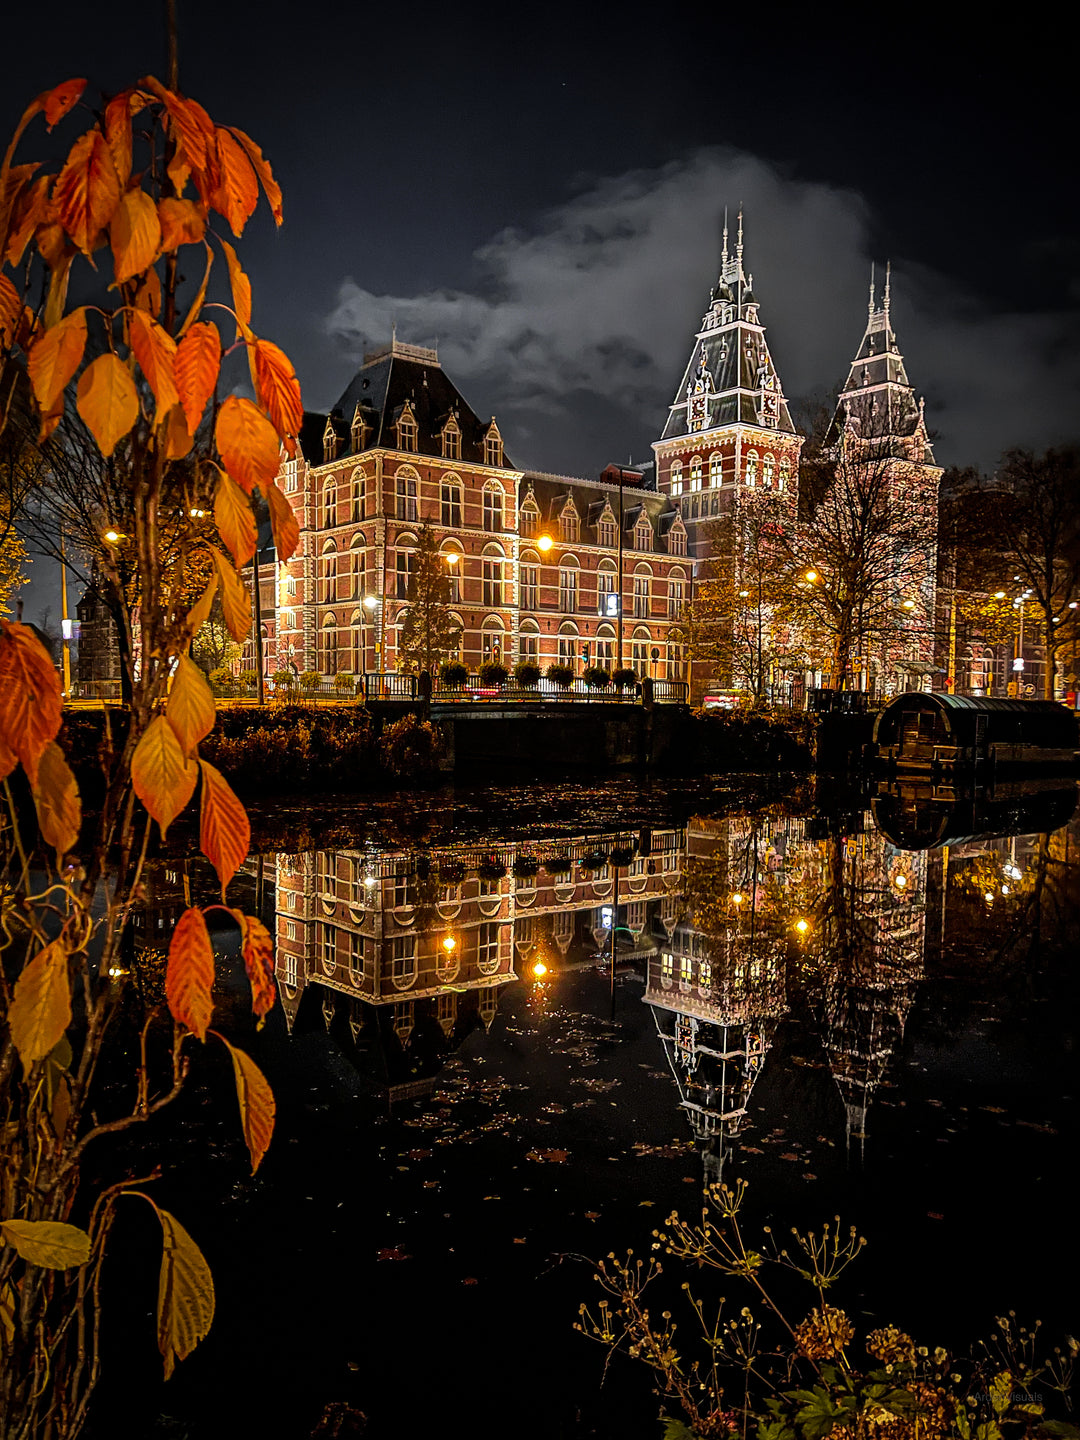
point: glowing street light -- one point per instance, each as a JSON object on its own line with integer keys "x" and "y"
{"x": 737, "y": 899}
{"x": 113, "y": 537}
{"x": 544, "y": 543}
{"x": 811, "y": 575}
{"x": 449, "y": 944}
{"x": 900, "y": 882}
{"x": 540, "y": 970}
{"x": 370, "y": 602}
{"x": 999, "y": 594}
{"x": 451, "y": 557}
{"x": 909, "y": 604}
{"x": 802, "y": 926}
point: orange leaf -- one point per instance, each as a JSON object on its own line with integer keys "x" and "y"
{"x": 224, "y": 830}
{"x": 107, "y": 401}
{"x": 57, "y": 102}
{"x": 247, "y": 443}
{"x": 188, "y": 121}
{"x": 32, "y": 208}
{"x": 174, "y": 435}
{"x": 235, "y": 600}
{"x": 135, "y": 235}
{"x": 241, "y": 290}
{"x": 58, "y": 288}
{"x": 55, "y": 356}
{"x": 189, "y": 976}
{"x": 148, "y": 295}
{"x": 198, "y": 361}
{"x": 40, "y": 1009}
{"x": 30, "y": 701}
{"x": 234, "y": 519}
{"x": 262, "y": 169}
{"x": 53, "y": 245}
{"x": 190, "y": 710}
{"x": 56, "y": 798}
{"x": 200, "y": 611}
{"x": 155, "y": 350}
{"x": 258, "y": 962}
{"x": 162, "y": 777}
{"x": 278, "y": 389}
{"x": 118, "y": 135}
{"x": 87, "y": 190}
{"x": 257, "y": 1107}
{"x": 8, "y": 761}
{"x": 237, "y": 190}
{"x": 282, "y": 522}
{"x": 182, "y": 223}
{"x": 10, "y": 312}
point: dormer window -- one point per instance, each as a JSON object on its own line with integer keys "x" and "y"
{"x": 493, "y": 445}
{"x": 408, "y": 432}
{"x": 643, "y": 534}
{"x": 605, "y": 530}
{"x": 530, "y": 520}
{"x": 569, "y": 524}
{"x": 677, "y": 540}
{"x": 330, "y": 442}
{"x": 451, "y": 439}
{"x": 358, "y": 430}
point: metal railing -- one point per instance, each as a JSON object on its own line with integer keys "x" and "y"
{"x": 393, "y": 685}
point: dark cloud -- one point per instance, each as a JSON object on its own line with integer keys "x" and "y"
{"x": 588, "y": 317}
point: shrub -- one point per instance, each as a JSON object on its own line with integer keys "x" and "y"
{"x": 493, "y": 674}
{"x": 309, "y": 681}
{"x": 453, "y": 674}
{"x": 343, "y": 681}
{"x": 410, "y": 747}
{"x": 527, "y": 674}
{"x": 283, "y": 679}
{"x": 220, "y": 675}
{"x": 624, "y": 678}
{"x": 596, "y": 677}
{"x": 249, "y": 677}
{"x": 561, "y": 675}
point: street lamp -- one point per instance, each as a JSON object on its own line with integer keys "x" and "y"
{"x": 811, "y": 575}
{"x": 544, "y": 543}
{"x": 113, "y": 537}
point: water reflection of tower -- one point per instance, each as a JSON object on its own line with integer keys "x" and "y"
{"x": 871, "y": 939}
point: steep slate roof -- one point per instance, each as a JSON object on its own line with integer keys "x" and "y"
{"x": 388, "y": 379}
{"x": 730, "y": 365}
{"x": 878, "y": 401}
{"x": 552, "y": 491}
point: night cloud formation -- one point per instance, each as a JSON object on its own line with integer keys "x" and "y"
{"x": 576, "y": 332}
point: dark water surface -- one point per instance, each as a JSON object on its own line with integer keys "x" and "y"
{"x": 864, "y": 1005}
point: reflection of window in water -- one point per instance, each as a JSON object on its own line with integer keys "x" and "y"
{"x": 356, "y": 957}
{"x": 489, "y": 896}
{"x": 403, "y": 1019}
{"x": 290, "y": 932}
{"x": 564, "y": 923}
{"x": 327, "y": 949}
{"x": 667, "y": 967}
{"x": 402, "y": 892}
{"x": 445, "y": 1008}
{"x": 523, "y": 930}
{"x": 403, "y": 961}
{"x": 487, "y": 953}
{"x": 450, "y": 899}
{"x": 289, "y": 966}
{"x": 685, "y": 966}
{"x": 635, "y": 915}
{"x": 324, "y": 872}
{"x": 704, "y": 975}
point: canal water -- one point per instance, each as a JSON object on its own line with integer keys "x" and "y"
{"x": 519, "y": 1026}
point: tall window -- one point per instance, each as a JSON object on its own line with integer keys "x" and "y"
{"x": 676, "y": 540}
{"x": 641, "y": 597}
{"x": 715, "y": 469}
{"x": 453, "y": 574}
{"x": 676, "y": 477}
{"x": 568, "y": 650}
{"x": 408, "y": 434}
{"x": 530, "y": 587}
{"x": 751, "y": 467}
{"x": 328, "y": 579}
{"x": 492, "y": 645}
{"x": 493, "y": 581}
{"x": 605, "y": 531}
{"x": 406, "y": 496}
{"x": 675, "y": 596}
{"x": 404, "y": 573}
{"x": 768, "y": 470}
{"x": 451, "y": 440}
{"x": 605, "y": 586}
{"x": 493, "y": 507}
{"x": 605, "y": 652}
{"x": 357, "y": 429}
{"x": 330, "y": 442}
{"x": 643, "y": 534}
{"x": 487, "y": 948}
{"x": 569, "y": 523}
{"x": 639, "y": 655}
{"x": 450, "y": 503}
{"x": 358, "y": 480}
{"x": 328, "y": 646}
{"x": 493, "y": 446}
{"x": 403, "y": 961}
{"x": 530, "y": 520}
{"x": 355, "y": 660}
{"x": 355, "y": 581}
{"x": 568, "y": 592}
{"x": 329, "y": 505}
{"x": 695, "y": 473}
{"x": 785, "y": 471}
{"x": 529, "y": 647}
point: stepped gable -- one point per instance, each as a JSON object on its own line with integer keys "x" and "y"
{"x": 730, "y": 378}
{"x": 391, "y": 378}
{"x": 878, "y": 402}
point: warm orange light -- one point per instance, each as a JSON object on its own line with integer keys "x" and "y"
{"x": 909, "y": 604}
{"x": 112, "y": 536}
{"x": 802, "y": 926}
{"x": 811, "y": 575}
{"x": 544, "y": 543}
{"x": 452, "y": 557}
{"x": 449, "y": 944}
{"x": 989, "y": 897}
{"x": 736, "y": 899}
{"x": 999, "y": 594}
{"x": 900, "y": 882}
{"x": 540, "y": 969}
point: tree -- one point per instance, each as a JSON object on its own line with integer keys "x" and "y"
{"x": 141, "y": 368}
{"x": 213, "y": 647}
{"x": 429, "y": 632}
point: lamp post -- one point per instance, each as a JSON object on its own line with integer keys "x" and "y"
{"x": 371, "y": 604}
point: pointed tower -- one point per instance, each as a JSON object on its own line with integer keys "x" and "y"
{"x": 728, "y": 428}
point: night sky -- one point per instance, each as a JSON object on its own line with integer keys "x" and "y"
{"x": 539, "y": 191}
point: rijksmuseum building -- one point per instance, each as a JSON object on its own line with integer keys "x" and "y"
{"x": 537, "y": 562}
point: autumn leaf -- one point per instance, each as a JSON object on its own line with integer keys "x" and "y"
{"x": 234, "y": 519}
{"x": 148, "y": 294}
{"x": 155, "y": 350}
{"x": 87, "y": 190}
{"x": 247, "y": 443}
{"x": 189, "y": 123}
{"x": 10, "y": 312}
{"x": 241, "y": 290}
{"x": 59, "y": 100}
{"x": 258, "y": 948}
{"x": 224, "y": 829}
{"x": 182, "y": 223}
{"x": 48, "y": 1243}
{"x": 257, "y": 1107}
{"x": 190, "y": 710}
{"x": 32, "y": 210}
{"x": 162, "y": 776}
{"x": 282, "y": 521}
{"x": 200, "y": 611}
{"x": 278, "y": 389}
{"x": 189, "y": 975}
{"x": 198, "y": 361}
{"x": 56, "y": 798}
{"x": 134, "y": 234}
{"x": 185, "y": 1306}
{"x": 117, "y": 122}
{"x": 40, "y": 1009}
{"x": 235, "y": 600}
{"x": 237, "y": 190}
{"x": 107, "y": 400}
{"x": 174, "y": 434}
{"x": 55, "y": 356}
{"x": 30, "y": 698}
{"x": 262, "y": 169}
{"x": 8, "y": 761}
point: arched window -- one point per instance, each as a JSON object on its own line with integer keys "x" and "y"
{"x": 695, "y": 473}
{"x": 492, "y": 637}
{"x": 492, "y": 577}
{"x": 408, "y": 433}
{"x": 450, "y": 502}
{"x": 451, "y": 439}
{"x": 355, "y": 657}
{"x": 676, "y": 477}
{"x": 568, "y": 584}
{"x": 359, "y": 487}
{"x": 356, "y": 568}
{"x": 487, "y": 947}
{"x": 459, "y": 641}
{"x": 329, "y": 504}
{"x": 453, "y": 569}
{"x": 568, "y": 644}
{"x": 785, "y": 471}
{"x": 405, "y": 560}
{"x": 605, "y": 529}
{"x": 642, "y": 592}
{"x": 607, "y": 582}
{"x": 529, "y": 642}
{"x": 768, "y": 471}
{"x": 403, "y": 961}
{"x": 643, "y": 533}
{"x": 569, "y": 524}
{"x": 530, "y": 519}
{"x": 406, "y": 486}
{"x": 328, "y": 645}
{"x": 676, "y": 591}
{"x": 328, "y": 577}
{"x": 605, "y": 647}
{"x": 358, "y": 429}
{"x": 330, "y": 442}
{"x": 716, "y": 474}
{"x": 640, "y": 645}
{"x": 530, "y": 580}
{"x": 751, "y": 467}
{"x": 493, "y": 506}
